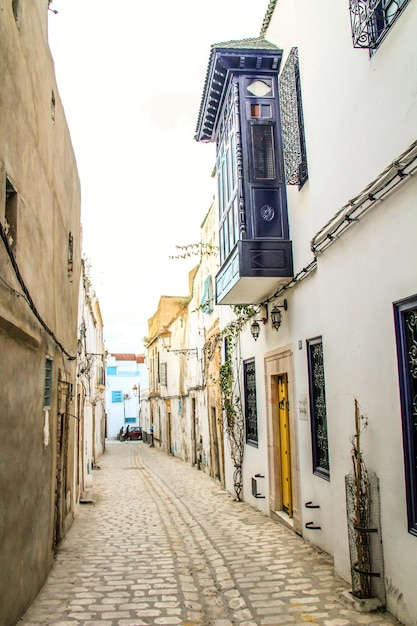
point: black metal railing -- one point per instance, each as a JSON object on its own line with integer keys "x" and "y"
{"x": 371, "y": 20}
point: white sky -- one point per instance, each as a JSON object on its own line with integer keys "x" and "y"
{"x": 130, "y": 75}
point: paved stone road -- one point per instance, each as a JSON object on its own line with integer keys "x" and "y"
{"x": 165, "y": 544}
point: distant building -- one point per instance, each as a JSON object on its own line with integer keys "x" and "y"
{"x": 182, "y": 409}
{"x": 91, "y": 380}
{"x": 126, "y": 379}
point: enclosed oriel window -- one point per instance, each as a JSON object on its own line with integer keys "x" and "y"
{"x": 240, "y": 111}
{"x": 227, "y": 182}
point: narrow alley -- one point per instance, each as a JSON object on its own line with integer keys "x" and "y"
{"x": 162, "y": 543}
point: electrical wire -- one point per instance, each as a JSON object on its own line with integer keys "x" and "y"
{"x": 26, "y": 295}
{"x": 397, "y": 173}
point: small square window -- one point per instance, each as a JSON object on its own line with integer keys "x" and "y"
{"x": 116, "y": 396}
{"x": 260, "y": 111}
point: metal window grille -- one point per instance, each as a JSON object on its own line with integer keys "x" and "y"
{"x": 320, "y": 443}
{"x": 47, "y": 392}
{"x": 163, "y": 374}
{"x": 263, "y": 151}
{"x": 292, "y": 122}
{"x": 251, "y": 414}
{"x": 406, "y": 329}
{"x": 372, "y": 19}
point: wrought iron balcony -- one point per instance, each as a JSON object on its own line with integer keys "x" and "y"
{"x": 371, "y": 20}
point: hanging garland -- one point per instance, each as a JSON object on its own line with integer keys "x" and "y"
{"x": 196, "y": 249}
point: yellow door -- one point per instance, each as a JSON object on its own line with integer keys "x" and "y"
{"x": 284, "y": 444}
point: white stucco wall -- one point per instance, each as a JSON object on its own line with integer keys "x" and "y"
{"x": 360, "y": 114}
{"x": 129, "y": 373}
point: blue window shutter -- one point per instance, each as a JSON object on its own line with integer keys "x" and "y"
{"x": 116, "y": 396}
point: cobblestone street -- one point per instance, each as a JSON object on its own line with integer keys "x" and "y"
{"x": 164, "y": 544}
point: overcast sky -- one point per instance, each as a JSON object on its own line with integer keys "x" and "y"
{"x": 130, "y": 75}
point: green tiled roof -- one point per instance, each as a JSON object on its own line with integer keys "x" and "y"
{"x": 268, "y": 16}
{"x": 254, "y": 43}
{"x": 238, "y": 55}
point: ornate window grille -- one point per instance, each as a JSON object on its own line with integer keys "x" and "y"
{"x": 251, "y": 415}
{"x": 293, "y": 137}
{"x": 318, "y": 411}
{"x": 372, "y": 19}
{"x": 406, "y": 331}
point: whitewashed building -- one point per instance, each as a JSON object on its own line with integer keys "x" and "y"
{"x": 126, "y": 379}
{"x": 90, "y": 389}
{"x": 315, "y": 124}
{"x": 182, "y": 412}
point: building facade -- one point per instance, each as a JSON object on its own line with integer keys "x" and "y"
{"x": 126, "y": 380}
{"x": 183, "y": 407}
{"x": 91, "y": 382}
{"x": 317, "y": 235}
{"x": 39, "y": 288}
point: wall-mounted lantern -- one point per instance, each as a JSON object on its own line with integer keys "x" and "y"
{"x": 255, "y": 329}
{"x": 166, "y": 335}
{"x": 276, "y": 315}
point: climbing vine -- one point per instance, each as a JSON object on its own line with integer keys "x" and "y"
{"x": 230, "y": 392}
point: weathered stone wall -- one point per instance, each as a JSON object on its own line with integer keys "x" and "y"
{"x": 39, "y": 278}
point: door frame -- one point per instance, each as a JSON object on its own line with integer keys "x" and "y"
{"x": 278, "y": 362}
{"x": 280, "y": 383}
{"x": 193, "y": 430}
{"x": 214, "y": 443}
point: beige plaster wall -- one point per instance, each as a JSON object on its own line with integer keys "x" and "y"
{"x": 37, "y": 156}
